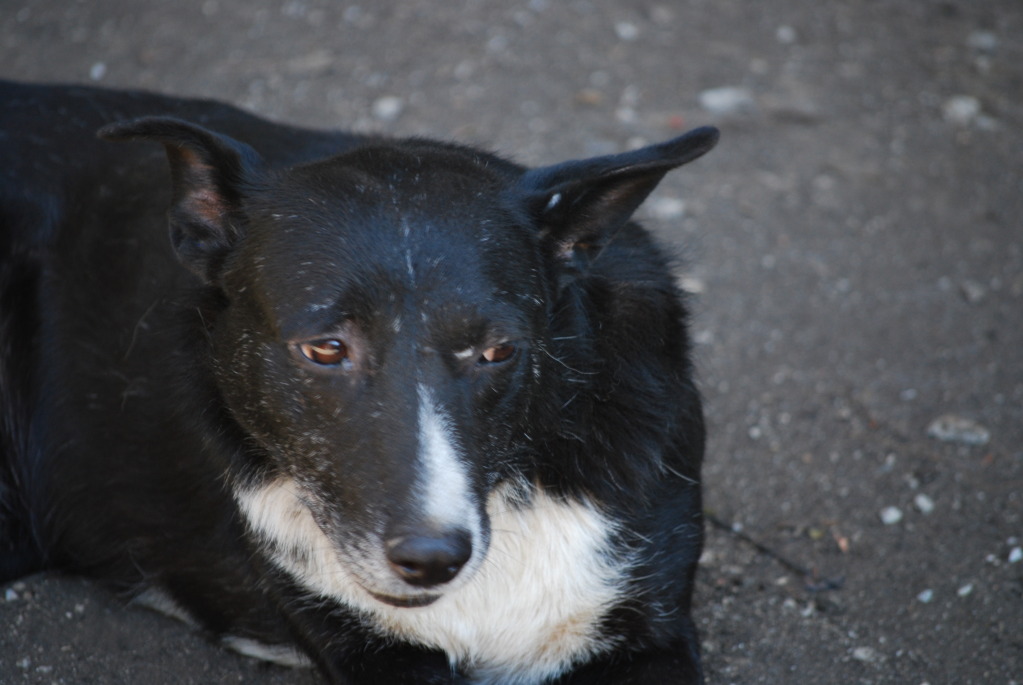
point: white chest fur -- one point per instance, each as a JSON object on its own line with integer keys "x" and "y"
{"x": 533, "y": 607}
{"x": 530, "y": 611}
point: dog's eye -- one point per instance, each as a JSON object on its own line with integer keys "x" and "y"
{"x": 327, "y": 352}
{"x": 497, "y": 354}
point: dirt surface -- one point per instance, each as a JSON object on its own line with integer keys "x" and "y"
{"x": 855, "y": 243}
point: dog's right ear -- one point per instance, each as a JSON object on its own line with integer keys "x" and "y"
{"x": 209, "y": 174}
{"x": 587, "y": 201}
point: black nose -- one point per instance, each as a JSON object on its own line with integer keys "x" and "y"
{"x": 424, "y": 560}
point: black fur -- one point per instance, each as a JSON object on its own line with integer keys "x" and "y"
{"x": 145, "y": 382}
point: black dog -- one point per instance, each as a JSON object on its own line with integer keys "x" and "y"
{"x": 400, "y": 407}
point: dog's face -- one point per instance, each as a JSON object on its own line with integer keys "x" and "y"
{"x": 384, "y": 337}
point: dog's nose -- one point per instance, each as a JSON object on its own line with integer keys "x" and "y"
{"x": 425, "y": 560}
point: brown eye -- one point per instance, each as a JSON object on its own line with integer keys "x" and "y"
{"x": 497, "y": 354}
{"x": 327, "y": 352}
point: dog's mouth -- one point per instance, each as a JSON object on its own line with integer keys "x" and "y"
{"x": 406, "y": 602}
{"x": 281, "y": 518}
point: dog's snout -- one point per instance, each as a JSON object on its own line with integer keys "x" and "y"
{"x": 425, "y": 560}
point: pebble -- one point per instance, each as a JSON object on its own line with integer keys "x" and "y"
{"x": 961, "y": 110}
{"x": 627, "y": 31}
{"x": 866, "y": 654}
{"x": 703, "y": 337}
{"x": 983, "y": 41}
{"x": 590, "y": 97}
{"x": 926, "y": 596}
{"x": 891, "y": 515}
{"x": 923, "y": 503}
{"x": 786, "y": 35}
{"x": 313, "y": 62}
{"x": 972, "y": 291}
{"x": 952, "y": 428}
{"x": 388, "y": 108}
{"x": 1016, "y": 555}
{"x": 666, "y": 208}
{"x": 98, "y": 71}
{"x": 726, "y": 100}
{"x": 697, "y": 286}
{"x": 965, "y": 590}
{"x": 10, "y": 595}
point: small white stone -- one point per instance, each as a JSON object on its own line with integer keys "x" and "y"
{"x": 98, "y": 71}
{"x": 926, "y": 596}
{"x": 973, "y": 292}
{"x": 866, "y": 654}
{"x": 388, "y": 108}
{"x": 726, "y": 100}
{"x": 10, "y": 595}
{"x": 627, "y": 30}
{"x": 626, "y": 115}
{"x": 961, "y": 110}
{"x": 704, "y": 337}
{"x": 952, "y": 428}
{"x": 692, "y": 284}
{"x": 1016, "y": 555}
{"x": 982, "y": 41}
{"x": 965, "y": 590}
{"x": 786, "y": 35}
{"x": 497, "y": 44}
{"x": 636, "y": 142}
{"x": 923, "y": 503}
{"x": 317, "y": 60}
{"x": 891, "y": 515}
{"x": 666, "y": 208}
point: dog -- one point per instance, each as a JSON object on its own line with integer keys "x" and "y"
{"x": 402, "y": 409}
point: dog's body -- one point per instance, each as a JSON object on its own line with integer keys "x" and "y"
{"x": 403, "y": 407}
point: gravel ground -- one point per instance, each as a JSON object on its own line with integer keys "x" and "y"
{"x": 855, "y": 244}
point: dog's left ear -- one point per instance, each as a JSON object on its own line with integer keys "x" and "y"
{"x": 210, "y": 173}
{"x": 586, "y": 200}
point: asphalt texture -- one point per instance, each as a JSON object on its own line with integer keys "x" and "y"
{"x": 855, "y": 246}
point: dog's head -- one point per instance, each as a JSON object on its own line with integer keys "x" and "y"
{"x": 383, "y": 336}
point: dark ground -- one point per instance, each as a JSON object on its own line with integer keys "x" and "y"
{"x": 856, "y": 244}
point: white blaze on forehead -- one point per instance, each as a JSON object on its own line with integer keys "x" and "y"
{"x": 444, "y": 483}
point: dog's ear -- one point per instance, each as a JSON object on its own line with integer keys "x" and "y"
{"x": 209, "y": 174}
{"x": 588, "y": 200}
